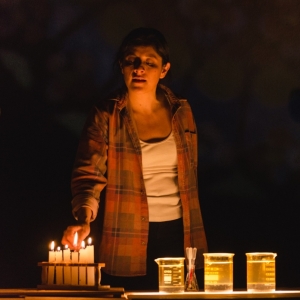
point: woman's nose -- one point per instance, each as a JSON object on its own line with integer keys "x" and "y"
{"x": 138, "y": 64}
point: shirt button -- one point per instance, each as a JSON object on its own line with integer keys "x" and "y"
{"x": 142, "y": 192}
{"x": 143, "y": 218}
{"x": 143, "y": 243}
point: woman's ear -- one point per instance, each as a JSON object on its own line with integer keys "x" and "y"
{"x": 165, "y": 70}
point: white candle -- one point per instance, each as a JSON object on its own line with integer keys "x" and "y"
{"x": 90, "y": 259}
{"x": 67, "y": 269}
{"x": 75, "y": 241}
{"x": 74, "y": 274}
{"x": 82, "y": 269}
{"x": 59, "y": 269}
{"x": 51, "y": 259}
{"x": 83, "y": 253}
{"x": 51, "y": 253}
{"x": 66, "y": 254}
{"x": 74, "y": 258}
{"x": 58, "y": 255}
{"x": 90, "y": 251}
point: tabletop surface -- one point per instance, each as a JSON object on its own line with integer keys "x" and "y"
{"x": 115, "y": 292}
{"x": 216, "y": 295}
{"x": 119, "y": 292}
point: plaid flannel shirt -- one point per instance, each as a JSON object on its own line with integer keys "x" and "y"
{"x": 109, "y": 160}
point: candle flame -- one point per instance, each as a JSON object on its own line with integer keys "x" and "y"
{"x": 58, "y": 248}
{"x": 89, "y": 240}
{"x": 66, "y": 246}
{"x": 82, "y": 244}
{"x": 52, "y": 246}
{"x": 75, "y": 239}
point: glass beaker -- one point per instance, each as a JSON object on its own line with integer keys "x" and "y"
{"x": 261, "y": 272}
{"x": 171, "y": 274}
{"x": 218, "y": 272}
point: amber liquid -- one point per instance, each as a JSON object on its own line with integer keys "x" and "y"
{"x": 218, "y": 277}
{"x": 171, "y": 278}
{"x": 261, "y": 276}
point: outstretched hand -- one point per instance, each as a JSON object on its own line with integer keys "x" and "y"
{"x": 83, "y": 229}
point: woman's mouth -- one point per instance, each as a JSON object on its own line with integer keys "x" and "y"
{"x": 138, "y": 79}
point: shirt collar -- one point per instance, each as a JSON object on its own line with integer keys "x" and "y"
{"x": 122, "y": 99}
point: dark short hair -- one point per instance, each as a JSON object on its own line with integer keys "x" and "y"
{"x": 143, "y": 36}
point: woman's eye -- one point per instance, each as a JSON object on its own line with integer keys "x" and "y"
{"x": 128, "y": 62}
{"x": 150, "y": 64}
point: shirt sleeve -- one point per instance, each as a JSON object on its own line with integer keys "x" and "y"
{"x": 89, "y": 172}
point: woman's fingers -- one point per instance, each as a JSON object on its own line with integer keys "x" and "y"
{"x": 69, "y": 235}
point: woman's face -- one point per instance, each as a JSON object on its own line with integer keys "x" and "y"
{"x": 142, "y": 69}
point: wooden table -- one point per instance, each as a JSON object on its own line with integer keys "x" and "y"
{"x": 278, "y": 294}
{"x": 37, "y": 294}
{"x": 119, "y": 293}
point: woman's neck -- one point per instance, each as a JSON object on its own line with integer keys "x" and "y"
{"x": 144, "y": 102}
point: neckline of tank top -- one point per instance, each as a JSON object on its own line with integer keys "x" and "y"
{"x": 158, "y": 142}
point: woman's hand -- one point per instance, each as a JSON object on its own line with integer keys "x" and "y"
{"x": 83, "y": 231}
{"x": 82, "y": 228}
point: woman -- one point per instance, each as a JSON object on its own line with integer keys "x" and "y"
{"x": 139, "y": 151}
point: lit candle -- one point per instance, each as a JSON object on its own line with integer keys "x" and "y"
{"x": 82, "y": 253}
{"x": 74, "y": 258}
{"x": 75, "y": 241}
{"x": 90, "y": 259}
{"x": 67, "y": 269}
{"x": 59, "y": 269}
{"x": 51, "y": 253}
{"x": 66, "y": 254}
{"x": 58, "y": 255}
{"x": 82, "y": 269}
{"x": 51, "y": 259}
{"x": 90, "y": 251}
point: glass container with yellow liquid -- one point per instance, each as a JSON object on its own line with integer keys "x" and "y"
{"x": 171, "y": 274}
{"x": 261, "y": 272}
{"x": 218, "y": 272}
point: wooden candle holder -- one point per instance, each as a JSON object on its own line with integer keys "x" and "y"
{"x": 52, "y": 283}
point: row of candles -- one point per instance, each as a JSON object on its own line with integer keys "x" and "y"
{"x": 72, "y": 275}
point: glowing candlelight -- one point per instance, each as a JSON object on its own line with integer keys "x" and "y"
{"x": 67, "y": 269}
{"x": 66, "y": 254}
{"x": 51, "y": 253}
{"x": 74, "y": 269}
{"x": 75, "y": 239}
{"x": 83, "y": 253}
{"x": 59, "y": 269}
{"x": 90, "y": 259}
{"x": 58, "y": 255}
{"x": 82, "y": 269}
{"x": 74, "y": 258}
{"x": 90, "y": 251}
{"x": 51, "y": 259}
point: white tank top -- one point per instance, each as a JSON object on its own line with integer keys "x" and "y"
{"x": 161, "y": 179}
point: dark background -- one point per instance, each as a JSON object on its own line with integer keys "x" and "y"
{"x": 236, "y": 61}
